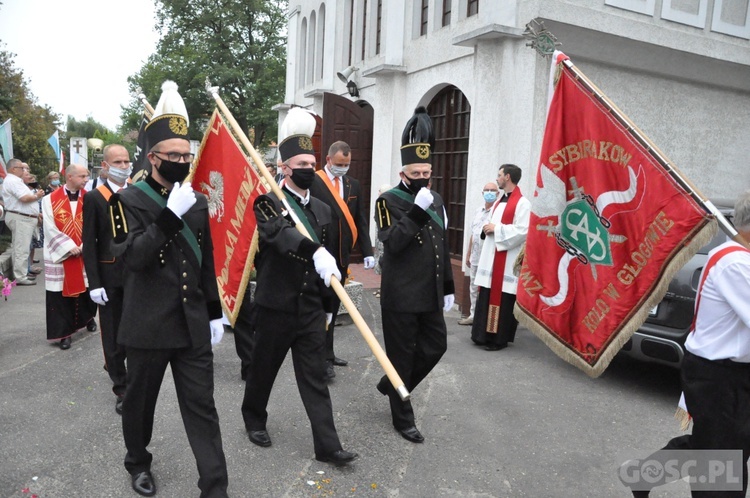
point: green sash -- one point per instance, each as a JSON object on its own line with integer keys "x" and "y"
{"x": 187, "y": 234}
{"x": 408, "y": 197}
{"x": 302, "y": 217}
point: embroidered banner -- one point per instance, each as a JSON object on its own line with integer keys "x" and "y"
{"x": 609, "y": 229}
{"x": 225, "y": 175}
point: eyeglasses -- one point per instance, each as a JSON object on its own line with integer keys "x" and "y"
{"x": 175, "y": 156}
{"x": 488, "y": 191}
{"x": 21, "y": 167}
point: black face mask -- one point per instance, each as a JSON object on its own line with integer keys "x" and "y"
{"x": 303, "y": 177}
{"x": 174, "y": 172}
{"x": 415, "y": 185}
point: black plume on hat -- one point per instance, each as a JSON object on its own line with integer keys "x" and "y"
{"x": 418, "y": 138}
{"x": 419, "y": 129}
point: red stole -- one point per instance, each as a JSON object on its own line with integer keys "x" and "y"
{"x": 72, "y": 226}
{"x": 498, "y": 266}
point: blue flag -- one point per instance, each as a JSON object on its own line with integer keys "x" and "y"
{"x": 6, "y": 146}
{"x": 54, "y": 141}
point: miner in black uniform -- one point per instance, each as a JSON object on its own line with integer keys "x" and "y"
{"x": 293, "y": 273}
{"x": 171, "y": 310}
{"x": 103, "y": 270}
{"x": 417, "y": 282}
{"x": 343, "y": 194}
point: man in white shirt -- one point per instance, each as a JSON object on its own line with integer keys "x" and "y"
{"x": 481, "y": 218}
{"x": 716, "y": 368}
{"x": 22, "y": 217}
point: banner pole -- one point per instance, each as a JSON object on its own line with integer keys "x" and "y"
{"x": 657, "y": 154}
{"x": 149, "y": 109}
{"x": 364, "y": 329}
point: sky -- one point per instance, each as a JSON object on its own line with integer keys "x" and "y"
{"x": 76, "y": 55}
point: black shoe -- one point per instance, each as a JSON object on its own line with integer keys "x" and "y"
{"x": 91, "y": 326}
{"x": 118, "y": 405}
{"x": 330, "y": 374}
{"x": 261, "y": 438}
{"x": 143, "y": 483}
{"x": 383, "y": 386}
{"x": 495, "y": 347}
{"x": 338, "y": 457}
{"x": 65, "y": 343}
{"x": 339, "y": 362}
{"x": 411, "y": 434}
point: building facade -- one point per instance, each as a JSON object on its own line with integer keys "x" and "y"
{"x": 680, "y": 69}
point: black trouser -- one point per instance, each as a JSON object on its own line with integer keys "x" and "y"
{"x": 333, "y": 303}
{"x": 414, "y": 342}
{"x": 276, "y": 332}
{"x": 114, "y": 353}
{"x": 717, "y": 395}
{"x": 244, "y": 333}
{"x": 193, "y": 373}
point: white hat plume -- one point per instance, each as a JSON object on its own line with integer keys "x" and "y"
{"x": 170, "y": 102}
{"x": 297, "y": 122}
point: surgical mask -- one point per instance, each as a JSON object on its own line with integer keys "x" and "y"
{"x": 118, "y": 175}
{"x": 55, "y": 183}
{"x": 303, "y": 177}
{"x": 415, "y": 185}
{"x": 174, "y": 172}
{"x": 490, "y": 196}
{"x": 339, "y": 170}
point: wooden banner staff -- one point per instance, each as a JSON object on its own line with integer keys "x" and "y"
{"x": 364, "y": 329}
{"x": 544, "y": 42}
{"x": 149, "y": 109}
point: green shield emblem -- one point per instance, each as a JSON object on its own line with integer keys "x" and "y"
{"x": 581, "y": 227}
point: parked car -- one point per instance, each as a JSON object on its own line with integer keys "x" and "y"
{"x": 661, "y": 339}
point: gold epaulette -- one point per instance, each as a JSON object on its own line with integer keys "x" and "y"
{"x": 266, "y": 207}
{"x": 117, "y": 217}
{"x": 384, "y": 217}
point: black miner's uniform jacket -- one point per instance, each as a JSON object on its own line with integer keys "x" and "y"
{"x": 102, "y": 268}
{"x": 287, "y": 280}
{"x": 416, "y": 264}
{"x": 170, "y": 295}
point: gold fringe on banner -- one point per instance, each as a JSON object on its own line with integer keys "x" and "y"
{"x": 703, "y": 234}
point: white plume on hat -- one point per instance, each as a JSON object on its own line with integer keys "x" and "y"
{"x": 297, "y": 122}
{"x": 170, "y": 102}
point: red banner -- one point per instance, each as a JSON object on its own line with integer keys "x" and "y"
{"x": 225, "y": 175}
{"x": 609, "y": 228}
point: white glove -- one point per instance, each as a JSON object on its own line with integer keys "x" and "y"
{"x": 99, "y": 296}
{"x": 181, "y": 198}
{"x": 325, "y": 265}
{"x": 424, "y": 198}
{"x": 448, "y": 302}
{"x": 217, "y": 331}
{"x": 369, "y": 262}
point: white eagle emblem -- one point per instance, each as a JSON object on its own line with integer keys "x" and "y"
{"x": 215, "y": 194}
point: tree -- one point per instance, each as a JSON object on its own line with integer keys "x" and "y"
{"x": 238, "y": 44}
{"x": 32, "y": 123}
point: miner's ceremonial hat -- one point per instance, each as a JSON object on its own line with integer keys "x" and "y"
{"x": 170, "y": 119}
{"x": 295, "y": 134}
{"x": 417, "y": 139}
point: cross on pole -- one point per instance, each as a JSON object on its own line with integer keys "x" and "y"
{"x": 77, "y": 144}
